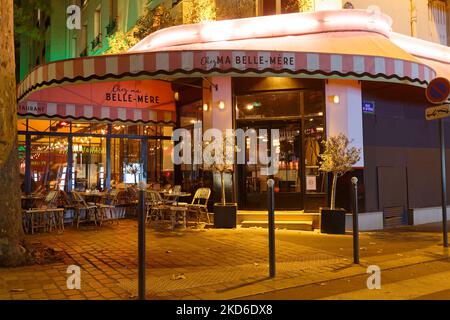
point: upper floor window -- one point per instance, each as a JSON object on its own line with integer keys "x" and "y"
{"x": 98, "y": 21}
{"x": 437, "y": 16}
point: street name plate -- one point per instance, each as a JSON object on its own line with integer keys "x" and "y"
{"x": 438, "y": 112}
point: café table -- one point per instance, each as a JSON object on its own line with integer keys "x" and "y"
{"x": 94, "y": 197}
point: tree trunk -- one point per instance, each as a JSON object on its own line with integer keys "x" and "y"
{"x": 12, "y": 252}
{"x": 333, "y": 191}
{"x": 222, "y": 186}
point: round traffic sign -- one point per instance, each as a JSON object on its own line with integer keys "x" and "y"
{"x": 438, "y": 90}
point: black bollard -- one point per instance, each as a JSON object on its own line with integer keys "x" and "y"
{"x": 141, "y": 240}
{"x": 355, "y": 221}
{"x": 271, "y": 217}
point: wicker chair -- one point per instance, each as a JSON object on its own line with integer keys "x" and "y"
{"x": 156, "y": 208}
{"x": 91, "y": 212}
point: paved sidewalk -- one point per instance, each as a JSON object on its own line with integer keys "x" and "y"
{"x": 206, "y": 264}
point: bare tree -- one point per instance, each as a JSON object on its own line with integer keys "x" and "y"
{"x": 12, "y": 252}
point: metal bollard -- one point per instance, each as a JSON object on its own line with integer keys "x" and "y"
{"x": 271, "y": 217}
{"x": 141, "y": 240}
{"x": 355, "y": 221}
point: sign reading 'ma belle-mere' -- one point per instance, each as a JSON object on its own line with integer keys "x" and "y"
{"x": 255, "y": 60}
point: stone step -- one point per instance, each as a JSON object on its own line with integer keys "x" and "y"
{"x": 281, "y": 215}
{"x": 289, "y": 225}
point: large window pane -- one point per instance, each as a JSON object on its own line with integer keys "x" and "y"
{"x": 268, "y": 105}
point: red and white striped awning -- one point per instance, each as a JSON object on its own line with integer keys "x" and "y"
{"x": 138, "y": 101}
{"x": 161, "y": 65}
{"x": 349, "y": 44}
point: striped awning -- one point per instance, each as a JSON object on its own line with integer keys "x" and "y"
{"x": 163, "y": 65}
{"x": 137, "y": 101}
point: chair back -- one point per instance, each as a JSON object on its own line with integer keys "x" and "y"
{"x": 78, "y": 199}
{"x": 176, "y": 189}
{"x": 201, "y": 197}
{"x": 156, "y": 187}
{"x": 153, "y": 197}
{"x": 51, "y": 198}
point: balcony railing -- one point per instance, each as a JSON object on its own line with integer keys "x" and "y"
{"x": 97, "y": 41}
{"x": 111, "y": 27}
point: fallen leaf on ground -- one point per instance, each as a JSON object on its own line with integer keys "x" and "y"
{"x": 178, "y": 276}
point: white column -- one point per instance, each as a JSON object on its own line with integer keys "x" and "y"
{"x": 345, "y": 116}
{"x": 215, "y": 117}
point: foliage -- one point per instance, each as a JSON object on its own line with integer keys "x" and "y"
{"x": 235, "y": 9}
{"x": 25, "y": 14}
{"x": 338, "y": 159}
{"x": 338, "y": 156}
{"x": 299, "y": 6}
{"x": 218, "y": 156}
{"x": 153, "y": 20}
{"x": 200, "y": 11}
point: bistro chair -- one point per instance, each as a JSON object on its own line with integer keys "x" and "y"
{"x": 156, "y": 207}
{"x": 46, "y": 216}
{"x": 110, "y": 209}
{"x": 90, "y": 211}
{"x": 176, "y": 189}
{"x": 199, "y": 204}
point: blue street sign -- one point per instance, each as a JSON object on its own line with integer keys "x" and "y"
{"x": 369, "y": 107}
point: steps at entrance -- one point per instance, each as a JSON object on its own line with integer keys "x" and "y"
{"x": 289, "y": 225}
{"x": 291, "y": 220}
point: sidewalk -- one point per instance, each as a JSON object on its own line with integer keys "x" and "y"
{"x": 208, "y": 264}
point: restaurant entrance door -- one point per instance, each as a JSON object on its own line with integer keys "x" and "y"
{"x": 288, "y": 179}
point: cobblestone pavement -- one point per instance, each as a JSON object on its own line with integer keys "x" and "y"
{"x": 181, "y": 264}
{"x": 202, "y": 264}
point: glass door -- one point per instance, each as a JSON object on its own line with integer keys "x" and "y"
{"x": 288, "y": 182}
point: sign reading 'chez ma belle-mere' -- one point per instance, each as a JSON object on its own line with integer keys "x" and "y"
{"x": 120, "y": 93}
{"x": 248, "y": 60}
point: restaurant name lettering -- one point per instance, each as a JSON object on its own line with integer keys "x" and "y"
{"x": 247, "y": 60}
{"x": 31, "y": 108}
{"x": 121, "y": 94}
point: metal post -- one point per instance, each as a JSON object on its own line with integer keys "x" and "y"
{"x": 271, "y": 216}
{"x": 355, "y": 221}
{"x": 443, "y": 183}
{"x": 141, "y": 239}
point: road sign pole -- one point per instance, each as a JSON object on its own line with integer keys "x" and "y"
{"x": 443, "y": 182}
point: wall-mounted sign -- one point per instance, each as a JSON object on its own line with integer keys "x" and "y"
{"x": 368, "y": 107}
{"x": 311, "y": 183}
{"x": 120, "y": 93}
{"x": 439, "y": 112}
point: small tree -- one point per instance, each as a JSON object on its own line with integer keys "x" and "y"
{"x": 338, "y": 159}
{"x": 218, "y": 156}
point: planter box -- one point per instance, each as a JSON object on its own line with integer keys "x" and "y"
{"x": 225, "y": 216}
{"x": 332, "y": 221}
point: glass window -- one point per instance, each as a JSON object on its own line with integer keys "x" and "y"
{"x": 49, "y": 162}
{"x": 22, "y": 125}
{"x": 125, "y": 161}
{"x": 314, "y": 103}
{"x": 268, "y": 105}
{"x": 89, "y": 163}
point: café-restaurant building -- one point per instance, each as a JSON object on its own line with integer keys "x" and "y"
{"x": 96, "y": 122}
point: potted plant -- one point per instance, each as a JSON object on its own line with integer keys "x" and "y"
{"x": 219, "y": 157}
{"x": 338, "y": 159}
